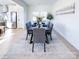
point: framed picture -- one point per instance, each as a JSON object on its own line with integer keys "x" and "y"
{"x": 67, "y": 10}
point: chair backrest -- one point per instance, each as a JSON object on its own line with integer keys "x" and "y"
{"x": 34, "y": 24}
{"x": 28, "y": 25}
{"x": 44, "y": 24}
{"x": 50, "y": 27}
{"x": 39, "y": 35}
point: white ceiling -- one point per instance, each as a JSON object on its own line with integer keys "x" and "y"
{"x": 30, "y": 2}
{"x": 6, "y": 2}
{"x": 40, "y": 2}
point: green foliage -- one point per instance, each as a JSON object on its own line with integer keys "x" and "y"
{"x": 49, "y": 16}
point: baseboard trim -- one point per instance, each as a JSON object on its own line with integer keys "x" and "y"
{"x": 69, "y": 45}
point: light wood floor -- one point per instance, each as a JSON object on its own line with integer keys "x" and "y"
{"x": 21, "y": 49}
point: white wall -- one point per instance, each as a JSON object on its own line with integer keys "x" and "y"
{"x": 25, "y": 6}
{"x": 22, "y": 9}
{"x": 46, "y": 8}
{"x": 20, "y": 15}
{"x": 67, "y": 24}
{"x": 22, "y": 12}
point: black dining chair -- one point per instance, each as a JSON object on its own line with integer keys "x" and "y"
{"x": 44, "y": 25}
{"x": 39, "y": 37}
{"x": 49, "y": 31}
{"x": 34, "y": 24}
{"x": 29, "y": 30}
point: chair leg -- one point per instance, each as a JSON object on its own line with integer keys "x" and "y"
{"x": 47, "y": 39}
{"x": 33, "y": 47}
{"x": 31, "y": 38}
{"x": 27, "y": 36}
{"x": 50, "y": 36}
{"x": 44, "y": 47}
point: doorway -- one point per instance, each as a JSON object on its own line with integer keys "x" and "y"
{"x": 14, "y": 19}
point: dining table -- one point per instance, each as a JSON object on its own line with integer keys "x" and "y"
{"x": 46, "y": 29}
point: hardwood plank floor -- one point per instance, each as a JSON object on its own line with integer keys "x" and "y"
{"x": 21, "y": 49}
